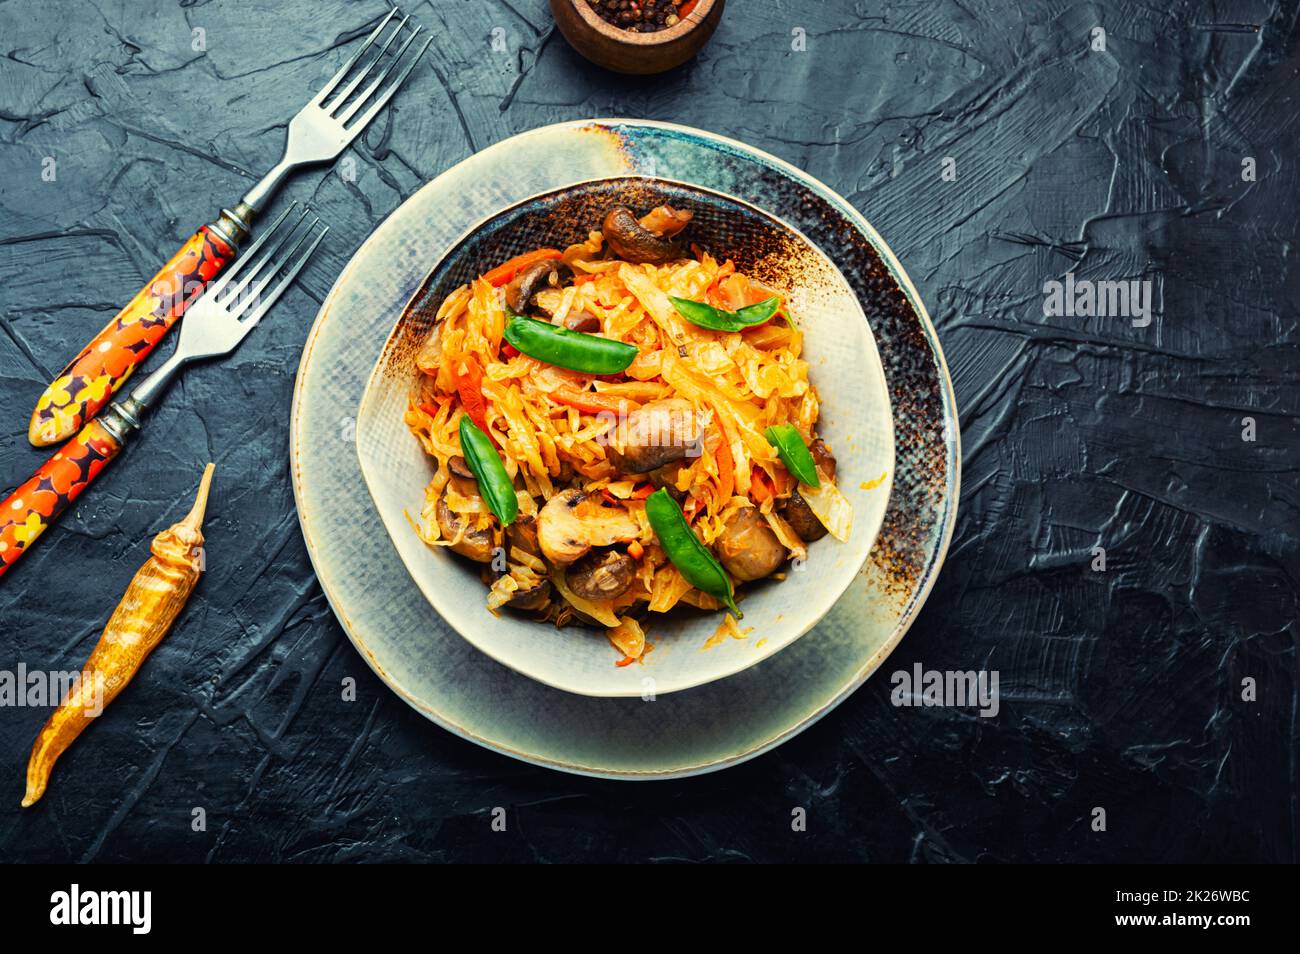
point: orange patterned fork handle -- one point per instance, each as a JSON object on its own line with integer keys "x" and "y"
{"x": 28, "y": 511}
{"x": 86, "y": 384}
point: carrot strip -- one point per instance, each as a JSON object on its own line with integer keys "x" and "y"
{"x": 469, "y": 385}
{"x": 725, "y": 269}
{"x": 592, "y": 403}
{"x": 726, "y": 469}
{"x": 507, "y": 270}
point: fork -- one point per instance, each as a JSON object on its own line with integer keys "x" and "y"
{"x": 318, "y": 133}
{"x": 218, "y": 322}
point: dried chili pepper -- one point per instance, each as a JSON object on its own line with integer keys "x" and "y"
{"x": 151, "y": 603}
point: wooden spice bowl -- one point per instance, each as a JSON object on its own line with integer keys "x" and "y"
{"x": 641, "y": 53}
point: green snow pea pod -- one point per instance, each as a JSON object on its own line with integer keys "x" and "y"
{"x": 715, "y": 319}
{"x": 684, "y": 548}
{"x": 590, "y": 354}
{"x": 485, "y": 463}
{"x": 794, "y": 453}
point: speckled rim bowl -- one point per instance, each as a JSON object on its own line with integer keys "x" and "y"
{"x": 427, "y": 664}
{"x": 855, "y": 420}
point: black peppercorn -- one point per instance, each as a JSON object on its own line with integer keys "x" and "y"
{"x": 639, "y": 16}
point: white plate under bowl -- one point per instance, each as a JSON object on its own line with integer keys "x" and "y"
{"x": 439, "y": 674}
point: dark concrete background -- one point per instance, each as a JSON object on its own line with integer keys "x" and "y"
{"x": 1121, "y": 689}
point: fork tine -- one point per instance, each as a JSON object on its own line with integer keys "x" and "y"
{"x": 290, "y": 273}
{"x": 284, "y": 250}
{"x": 261, "y": 263}
{"x": 365, "y": 95}
{"x": 382, "y": 99}
{"x": 337, "y": 102}
{"x": 352, "y": 60}
{"x": 216, "y": 287}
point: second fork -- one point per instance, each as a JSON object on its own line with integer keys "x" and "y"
{"x": 218, "y": 321}
{"x": 318, "y": 133}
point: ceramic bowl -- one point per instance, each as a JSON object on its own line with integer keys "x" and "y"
{"x": 426, "y": 664}
{"x": 856, "y": 421}
{"x": 639, "y": 53}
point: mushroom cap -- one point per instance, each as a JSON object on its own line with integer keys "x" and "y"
{"x": 572, "y": 523}
{"x": 747, "y": 547}
{"x": 632, "y": 241}
{"x": 601, "y": 575}
{"x": 656, "y": 434}
{"x": 528, "y": 281}
{"x": 472, "y": 532}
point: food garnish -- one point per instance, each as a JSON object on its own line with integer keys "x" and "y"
{"x": 686, "y": 551}
{"x": 150, "y": 605}
{"x": 485, "y": 463}
{"x": 716, "y": 319}
{"x": 574, "y": 350}
{"x": 794, "y": 453}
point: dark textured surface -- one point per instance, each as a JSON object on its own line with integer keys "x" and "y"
{"x": 1120, "y": 689}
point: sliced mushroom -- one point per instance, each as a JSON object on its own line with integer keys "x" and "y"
{"x": 747, "y": 547}
{"x": 475, "y": 535}
{"x": 462, "y": 478}
{"x": 523, "y": 534}
{"x": 823, "y": 457}
{"x": 529, "y": 281}
{"x": 572, "y": 523}
{"x": 665, "y": 477}
{"x": 802, "y": 520}
{"x": 583, "y": 321}
{"x": 632, "y": 241}
{"x": 534, "y": 598}
{"x": 665, "y": 221}
{"x": 565, "y": 614}
{"x": 601, "y": 575}
{"x": 656, "y": 434}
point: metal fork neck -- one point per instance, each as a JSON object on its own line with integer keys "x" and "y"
{"x": 256, "y": 197}
{"x": 235, "y": 224}
{"x": 147, "y": 391}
